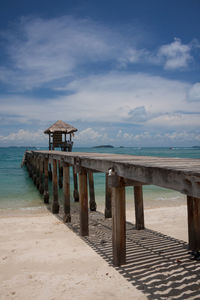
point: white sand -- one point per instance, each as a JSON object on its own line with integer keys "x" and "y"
{"x": 40, "y": 258}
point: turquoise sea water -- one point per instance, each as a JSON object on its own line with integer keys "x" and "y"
{"x": 18, "y": 191}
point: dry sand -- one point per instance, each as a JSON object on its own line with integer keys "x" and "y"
{"x": 41, "y": 258}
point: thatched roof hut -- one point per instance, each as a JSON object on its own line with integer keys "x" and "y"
{"x": 57, "y": 135}
{"x": 60, "y": 127}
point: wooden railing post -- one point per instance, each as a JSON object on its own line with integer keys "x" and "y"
{"x": 118, "y": 220}
{"x": 76, "y": 194}
{"x": 193, "y": 207}
{"x": 139, "y": 208}
{"x": 108, "y": 192}
{"x": 83, "y": 196}
{"x": 66, "y": 187}
{"x": 46, "y": 183}
{"x": 55, "y": 204}
{"x": 93, "y": 205}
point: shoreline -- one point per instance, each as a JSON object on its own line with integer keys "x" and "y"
{"x": 148, "y": 205}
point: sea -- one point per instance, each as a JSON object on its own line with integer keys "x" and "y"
{"x": 17, "y": 190}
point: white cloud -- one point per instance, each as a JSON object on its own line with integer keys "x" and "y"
{"x": 45, "y": 50}
{"x": 49, "y": 52}
{"x": 90, "y": 136}
{"x": 114, "y": 97}
{"x": 148, "y": 138}
{"x": 176, "y": 55}
{"x": 176, "y": 120}
{"x": 24, "y": 137}
{"x": 194, "y": 92}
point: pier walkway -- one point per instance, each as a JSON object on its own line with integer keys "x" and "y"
{"x": 179, "y": 174}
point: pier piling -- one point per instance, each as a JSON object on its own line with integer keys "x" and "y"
{"x": 193, "y": 206}
{"x": 108, "y": 192}
{"x": 139, "y": 208}
{"x": 55, "y": 204}
{"x": 41, "y": 181}
{"x": 93, "y": 205}
{"x": 46, "y": 184}
{"x": 76, "y": 194}
{"x": 118, "y": 223}
{"x": 83, "y": 196}
{"x": 66, "y": 189}
{"x": 60, "y": 175}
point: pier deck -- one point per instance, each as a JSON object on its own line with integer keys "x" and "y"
{"x": 179, "y": 174}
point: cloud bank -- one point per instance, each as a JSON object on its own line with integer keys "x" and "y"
{"x": 87, "y": 71}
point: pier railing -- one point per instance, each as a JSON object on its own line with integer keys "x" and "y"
{"x": 179, "y": 174}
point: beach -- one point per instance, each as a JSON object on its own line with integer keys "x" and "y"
{"x": 41, "y": 258}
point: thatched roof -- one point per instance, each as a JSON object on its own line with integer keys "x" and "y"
{"x": 61, "y": 127}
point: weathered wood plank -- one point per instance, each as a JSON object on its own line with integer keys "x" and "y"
{"x": 182, "y": 175}
{"x": 193, "y": 206}
{"x": 55, "y": 204}
{"x": 119, "y": 224}
{"x": 139, "y": 207}
{"x": 83, "y": 196}
{"x": 66, "y": 187}
{"x": 93, "y": 205}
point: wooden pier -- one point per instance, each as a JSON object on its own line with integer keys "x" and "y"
{"x": 178, "y": 174}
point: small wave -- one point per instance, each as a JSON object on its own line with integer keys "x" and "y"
{"x": 169, "y": 198}
{"x": 31, "y": 208}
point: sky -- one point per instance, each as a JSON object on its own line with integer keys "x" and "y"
{"x": 122, "y": 72}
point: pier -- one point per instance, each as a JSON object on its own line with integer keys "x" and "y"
{"x": 178, "y": 174}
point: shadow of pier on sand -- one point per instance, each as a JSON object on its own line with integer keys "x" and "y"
{"x": 156, "y": 264}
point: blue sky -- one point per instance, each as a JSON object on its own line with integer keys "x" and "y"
{"x": 122, "y": 72}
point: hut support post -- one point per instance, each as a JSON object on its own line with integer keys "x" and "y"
{"x": 93, "y": 205}
{"x": 46, "y": 187}
{"x": 66, "y": 187}
{"x": 83, "y": 195}
{"x": 108, "y": 206}
{"x": 193, "y": 207}
{"x": 118, "y": 222}
{"x": 55, "y": 204}
{"x": 76, "y": 194}
{"x": 139, "y": 208}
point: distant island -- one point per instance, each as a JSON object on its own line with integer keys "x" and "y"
{"x": 104, "y": 146}
{"x": 197, "y": 147}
